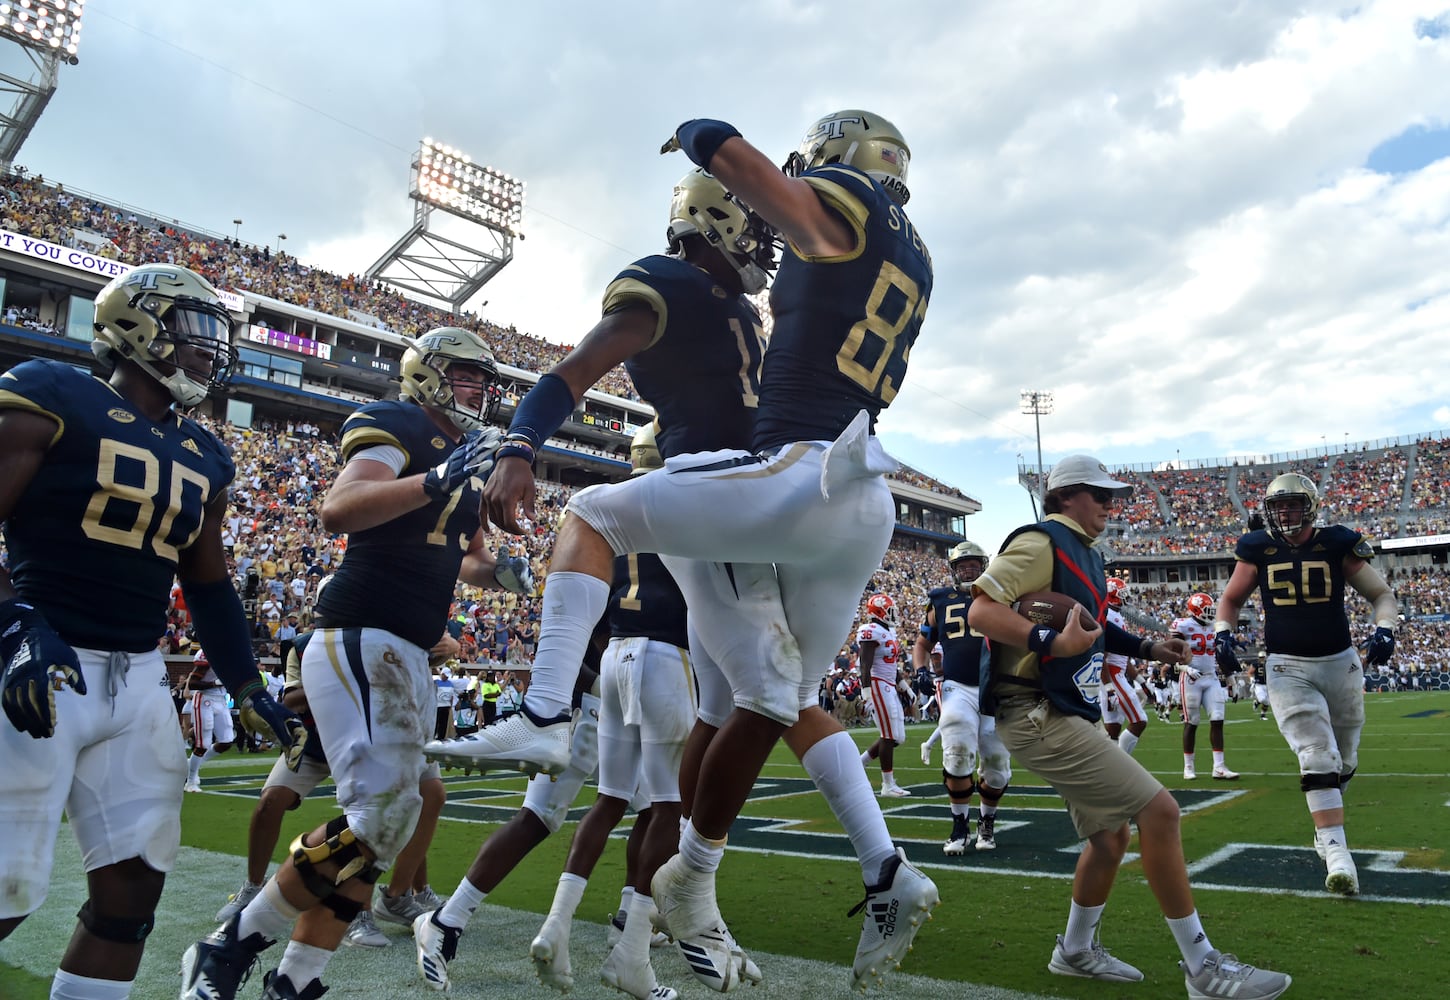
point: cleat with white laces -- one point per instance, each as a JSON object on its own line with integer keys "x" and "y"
{"x": 550, "y": 955}
{"x": 436, "y": 945}
{"x": 895, "y": 908}
{"x": 1343, "y": 877}
{"x": 1224, "y": 975}
{"x": 657, "y": 939}
{"x": 628, "y": 974}
{"x": 215, "y": 967}
{"x": 956, "y": 844}
{"x": 1093, "y": 962}
{"x": 364, "y": 933}
{"x": 237, "y": 903}
{"x": 521, "y": 742}
{"x": 1224, "y": 774}
{"x": 987, "y": 834}
{"x": 402, "y": 909}
{"x": 893, "y": 792}
{"x": 689, "y": 914}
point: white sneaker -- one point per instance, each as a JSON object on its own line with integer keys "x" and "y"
{"x": 1224, "y": 774}
{"x": 895, "y": 908}
{"x": 402, "y": 909}
{"x": 1189, "y": 772}
{"x": 238, "y": 902}
{"x": 427, "y": 899}
{"x": 436, "y": 945}
{"x": 893, "y": 792}
{"x": 516, "y": 743}
{"x": 1343, "y": 877}
{"x": 550, "y": 955}
{"x": 690, "y": 915}
{"x": 628, "y": 974}
{"x": 192, "y": 785}
{"x": 1093, "y": 962}
{"x": 1225, "y": 976}
{"x": 363, "y": 933}
{"x": 926, "y": 754}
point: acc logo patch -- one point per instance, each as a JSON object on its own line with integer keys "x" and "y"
{"x": 439, "y": 443}
{"x": 717, "y": 291}
{"x": 120, "y": 416}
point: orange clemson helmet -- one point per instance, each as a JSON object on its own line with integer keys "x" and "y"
{"x": 882, "y": 608}
{"x": 1201, "y": 607}
{"x": 1117, "y": 591}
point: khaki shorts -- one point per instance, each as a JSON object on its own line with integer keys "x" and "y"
{"x": 1102, "y": 786}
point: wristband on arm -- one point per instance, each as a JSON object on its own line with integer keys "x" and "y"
{"x": 540, "y": 413}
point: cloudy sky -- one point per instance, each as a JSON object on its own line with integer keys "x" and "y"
{"x": 1208, "y": 228}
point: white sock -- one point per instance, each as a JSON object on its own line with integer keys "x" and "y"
{"x": 459, "y": 909}
{"x": 268, "y": 914}
{"x": 888, "y": 779}
{"x": 834, "y": 767}
{"x": 962, "y": 809}
{"x": 700, "y": 852}
{"x": 69, "y": 986}
{"x": 625, "y": 895}
{"x": 1193, "y": 943}
{"x": 1128, "y": 742}
{"x": 302, "y": 963}
{"x": 1218, "y": 759}
{"x": 1332, "y": 835}
{"x": 573, "y": 604}
{"x": 198, "y": 758}
{"x": 1082, "y": 922}
{"x": 567, "y": 896}
{"x": 865, "y": 757}
{"x": 637, "y": 928}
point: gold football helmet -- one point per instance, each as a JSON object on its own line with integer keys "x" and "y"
{"x": 146, "y": 313}
{"x": 858, "y": 139}
{"x": 1291, "y": 503}
{"x": 644, "y": 454}
{"x": 439, "y": 360}
{"x": 702, "y": 207}
{"x": 961, "y": 552}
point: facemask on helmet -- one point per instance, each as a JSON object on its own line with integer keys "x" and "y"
{"x": 443, "y": 361}
{"x": 1291, "y": 503}
{"x": 858, "y": 139}
{"x": 149, "y": 312}
{"x": 882, "y": 608}
{"x": 702, "y": 207}
{"x": 1201, "y": 607}
{"x": 1117, "y": 592}
{"x": 960, "y": 558}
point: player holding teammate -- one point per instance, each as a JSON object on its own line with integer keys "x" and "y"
{"x": 969, "y": 738}
{"x": 881, "y": 661}
{"x": 408, "y": 496}
{"x": 105, "y": 488}
{"x": 1199, "y": 689}
{"x": 1315, "y": 680}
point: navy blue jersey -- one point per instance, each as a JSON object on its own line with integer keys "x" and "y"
{"x": 963, "y": 652}
{"x": 701, "y": 372}
{"x": 843, "y": 326}
{"x": 1302, "y": 588}
{"x": 400, "y": 575}
{"x": 645, "y": 601}
{"x": 94, "y": 538}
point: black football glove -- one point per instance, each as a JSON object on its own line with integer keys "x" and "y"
{"x": 514, "y": 573}
{"x": 36, "y": 663}
{"x": 284, "y": 723}
{"x": 473, "y": 457}
{"x": 1223, "y": 652}
{"x": 1381, "y": 647}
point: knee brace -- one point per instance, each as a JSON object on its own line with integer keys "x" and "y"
{"x": 341, "y": 847}
{"x": 991, "y": 796}
{"x": 1344, "y": 778}
{"x": 1320, "y": 760}
{"x": 124, "y": 930}
{"x": 958, "y": 761}
{"x": 1309, "y": 782}
{"x": 958, "y": 794}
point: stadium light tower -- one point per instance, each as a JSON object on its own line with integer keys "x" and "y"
{"x": 1037, "y": 403}
{"x": 445, "y": 179}
{"x": 46, "y": 33}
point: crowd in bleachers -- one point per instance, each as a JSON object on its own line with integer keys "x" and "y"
{"x": 1198, "y": 498}
{"x": 1430, "y": 488}
{"x": 1358, "y": 485}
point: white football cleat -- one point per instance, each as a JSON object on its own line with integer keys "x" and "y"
{"x": 519, "y": 742}
{"x": 550, "y": 954}
{"x": 192, "y": 785}
{"x": 893, "y": 792}
{"x": 689, "y": 914}
{"x": 629, "y": 974}
{"x": 436, "y": 945}
{"x": 1343, "y": 877}
{"x": 895, "y": 908}
{"x": 1224, "y": 774}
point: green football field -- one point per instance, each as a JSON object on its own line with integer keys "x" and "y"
{"x": 789, "y": 879}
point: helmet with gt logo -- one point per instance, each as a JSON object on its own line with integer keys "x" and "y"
{"x": 1291, "y": 503}
{"x": 966, "y": 551}
{"x": 702, "y": 207}
{"x": 144, "y": 315}
{"x": 859, "y": 139}
{"x": 439, "y": 362}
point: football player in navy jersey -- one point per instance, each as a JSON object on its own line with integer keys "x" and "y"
{"x": 408, "y": 498}
{"x": 968, "y": 736}
{"x": 1044, "y": 688}
{"x": 1315, "y": 680}
{"x": 106, "y": 488}
{"x": 738, "y": 617}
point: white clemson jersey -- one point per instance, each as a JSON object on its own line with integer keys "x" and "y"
{"x": 888, "y": 653}
{"x": 1117, "y": 660}
{"x": 1200, "y": 643}
{"x": 202, "y": 672}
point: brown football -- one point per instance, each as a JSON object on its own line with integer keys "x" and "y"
{"x": 1047, "y": 607}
